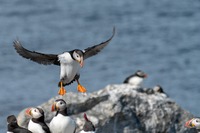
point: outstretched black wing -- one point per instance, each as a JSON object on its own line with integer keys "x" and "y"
{"x": 45, "y": 59}
{"x": 91, "y": 51}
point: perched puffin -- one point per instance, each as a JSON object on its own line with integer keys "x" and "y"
{"x": 36, "y": 123}
{"x": 193, "y": 123}
{"x": 70, "y": 62}
{"x": 158, "y": 89}
{"x": 136, "y": 79}
{"x": 13, "y": 126}
{"x": 88, "y": 126}
{"x": 61, "y": 122}
{"x": 155, "y": 90}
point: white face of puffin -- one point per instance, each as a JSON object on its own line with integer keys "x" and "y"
{"x": 78, "y": 56}
{"x": 141, "y": 74}
{"x": 34, "y": 112}
{"x": 197, "y": 123}
{"x": 59, "y": 105}
{"x": 193, "y": 123}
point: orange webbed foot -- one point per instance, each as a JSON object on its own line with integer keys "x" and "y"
{"x": 81, "y": 89}
{"x": 62, "y": 90}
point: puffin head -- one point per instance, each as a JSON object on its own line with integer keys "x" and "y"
{"x": 158, "y": 88}
{"x": 193, "y": 123}
{"x": 59, "y": 105}
{"x": 141, "y": 74}
{"x": 11, "y": 119}
{"x": 35, "y": 112}
{"x": 78, "y": 56}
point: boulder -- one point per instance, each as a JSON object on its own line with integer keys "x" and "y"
{"x": 122, "y": 109}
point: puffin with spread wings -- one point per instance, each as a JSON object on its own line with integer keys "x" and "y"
{"x": 70, "y": 62}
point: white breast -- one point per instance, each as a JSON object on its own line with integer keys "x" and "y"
{"x": 35, "y": 128}
{"x": 136, "y": 81}
{"x": 9, "y": 132}
{"x": 68, "y": 67}
{"x": 62, "y": 124}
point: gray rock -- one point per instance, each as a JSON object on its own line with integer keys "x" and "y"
{"x": 122, "y": 109}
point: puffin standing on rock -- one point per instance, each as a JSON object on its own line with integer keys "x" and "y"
{"x": 193, "y": 123}
{"x": 13, "y": 126}
{"x": 36, "y": 123}
{"x": 88, "y": 126}
{"x": 61, "y": 122}
{"x": 136, "y": 79}
{"x": 70, "y": 62}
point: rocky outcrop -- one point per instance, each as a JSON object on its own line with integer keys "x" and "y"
{"x": 123, "y": 109}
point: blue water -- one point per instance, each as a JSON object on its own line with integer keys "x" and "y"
{"x": 162, "y": 38}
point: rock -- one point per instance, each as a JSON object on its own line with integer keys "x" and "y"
{"x": 122, "y": 109}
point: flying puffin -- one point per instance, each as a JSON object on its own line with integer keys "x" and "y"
{"x": 88, "y": 126}
{"x": 61, "y": 122}
{"x": 37, "y": 123}
{"x": 13, "y": 126}
{"x": 136, "y": 79}
{"x": 70, "y": 62}
{"x": 193, "y": 123}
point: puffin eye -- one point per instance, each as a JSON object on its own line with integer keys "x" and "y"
{"x": 61, "y": 103}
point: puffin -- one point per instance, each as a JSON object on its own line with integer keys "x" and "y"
{"x": 37, "y": 123}
{"x": 88, "y": 126}
{"x": 70, "y": 62}
{"x": 193, "y": 123}
{"x": 158, "y": 89}
{"x": 61, "y": 122}
{"x": 13, "y": 127}
{"x": 155, "y": 90}
{"x": 136, "y": 79}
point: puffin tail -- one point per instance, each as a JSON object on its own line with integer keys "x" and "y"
{"x": 63, "y": 84}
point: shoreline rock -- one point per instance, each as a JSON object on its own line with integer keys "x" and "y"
{"x": 122, "y": 109}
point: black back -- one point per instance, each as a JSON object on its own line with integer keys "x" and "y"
{"x": 138, "y": 73}
{"x": 128, "y": 78}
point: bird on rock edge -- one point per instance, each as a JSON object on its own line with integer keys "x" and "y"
{"x": 61, "y": 122}
{"x": 37, "y": 122}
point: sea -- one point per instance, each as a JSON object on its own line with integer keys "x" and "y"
{"x": 159, "y": 37}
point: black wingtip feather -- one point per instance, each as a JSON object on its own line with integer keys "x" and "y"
{"x": 45, "y": 59}
{"x": 91, "y": 51}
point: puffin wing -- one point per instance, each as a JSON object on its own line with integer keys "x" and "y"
{"x": 91, "y": 51}
{"x": 128, "y": 78}
{"x": 45, "y": 59}
{"x": 45, "y": 128}
{"x": 21, "y": 130}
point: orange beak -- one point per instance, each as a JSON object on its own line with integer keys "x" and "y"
{"x": 81, "y": 62}
{"x": 54, "y": 107}
{"x": 189, "y": 124}
{"x": 145, "y": 75}
{"x": 28, "y": 111}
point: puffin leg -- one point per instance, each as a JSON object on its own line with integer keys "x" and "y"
{"x": 62, "y": 90}
{"x": 80, "y": 88}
